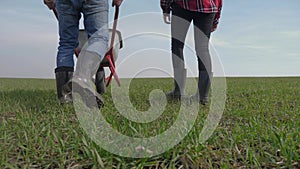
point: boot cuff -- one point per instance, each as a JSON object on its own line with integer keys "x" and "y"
{"x": 64, "y": 69}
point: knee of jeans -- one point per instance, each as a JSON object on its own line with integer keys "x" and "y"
{"x": 68, "y": 37}
{"x": 95, "y": 6}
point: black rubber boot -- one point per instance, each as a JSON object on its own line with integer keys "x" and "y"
{"x": 64, "y": 91}
{"x": 179, "y": 85}
{"x": 87, "y": 66}
{"x": 100, "y": 81}
{"x": 204, "y": 84}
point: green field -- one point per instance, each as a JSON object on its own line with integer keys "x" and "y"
{"x": 260, "y": 128}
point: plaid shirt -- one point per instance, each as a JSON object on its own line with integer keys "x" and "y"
{"x": 205, "y": 6}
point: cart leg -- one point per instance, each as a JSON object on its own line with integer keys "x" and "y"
{"x": 113, "y": 71}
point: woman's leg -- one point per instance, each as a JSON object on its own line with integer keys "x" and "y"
{"x": 203, "y": 23}
{"x": 180, "y": 23}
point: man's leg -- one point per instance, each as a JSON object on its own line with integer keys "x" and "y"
{"x": 96, "y": 24}
{"x": 68, "y": 34}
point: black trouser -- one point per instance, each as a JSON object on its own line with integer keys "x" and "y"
{"x": 203, "y": 22}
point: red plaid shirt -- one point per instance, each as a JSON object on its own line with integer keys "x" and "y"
{"x": 205, "y": 6}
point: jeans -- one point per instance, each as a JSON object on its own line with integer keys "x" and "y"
{"x": 95, "y": 13}
{"x": 203, "y": 22}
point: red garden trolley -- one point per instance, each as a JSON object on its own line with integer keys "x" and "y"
{"x": 112, "y": 54}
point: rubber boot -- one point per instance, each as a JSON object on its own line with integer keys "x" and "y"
{"x": 204, "y": 84}
{"x": 100, "y": 81}
{"x": 179, "y": 85}
{"x": 87, "y": 66}
{"x": 63, "y": 75}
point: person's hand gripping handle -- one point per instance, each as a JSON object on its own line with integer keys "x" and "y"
{"x": 116, "y": 3}
{"x": 50, "y": 4}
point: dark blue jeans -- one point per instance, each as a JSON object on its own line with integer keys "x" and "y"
{"x": 203, "y": 22}
{"x": 95, "y": 13}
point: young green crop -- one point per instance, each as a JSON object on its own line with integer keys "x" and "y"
{"x": 259, "y": 129}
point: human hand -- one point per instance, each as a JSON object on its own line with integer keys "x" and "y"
{"x": 116, "y": 2}
{"x": 50, "y": 4}
{"x": 167, "y": 18}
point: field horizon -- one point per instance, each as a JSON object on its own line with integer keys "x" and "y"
{"x": 228, "y": 76}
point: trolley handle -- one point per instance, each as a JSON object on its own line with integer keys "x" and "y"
{"x": 114, "y": 29}
{"x": 55, "y": 13}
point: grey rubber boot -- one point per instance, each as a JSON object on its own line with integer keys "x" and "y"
{"x": 179, "y": 85}
{"x": 64, "y": 92}
{"x": 87, "y": 66}
{"x": 204, "y": 84}
{"x": 100, "y": 81}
